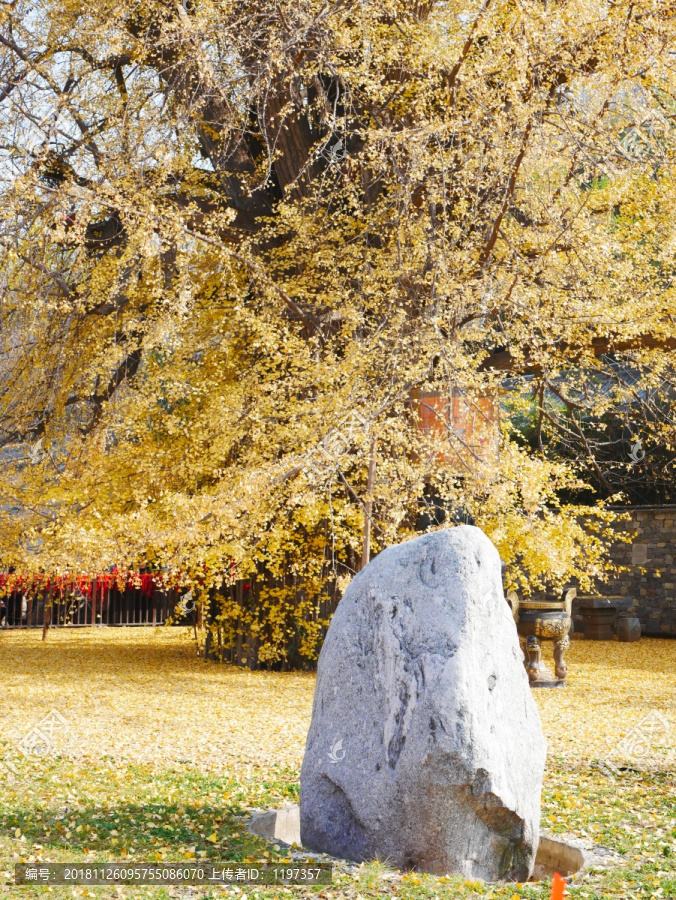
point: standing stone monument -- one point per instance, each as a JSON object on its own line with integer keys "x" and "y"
{"x": 425, "y": 747}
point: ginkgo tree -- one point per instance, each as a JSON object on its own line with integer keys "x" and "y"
{"x": 243, "y": 242}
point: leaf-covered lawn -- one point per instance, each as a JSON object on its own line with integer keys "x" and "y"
{"x": 162, "y": 755}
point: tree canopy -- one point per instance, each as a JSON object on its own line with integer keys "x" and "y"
{"x": 238, "y": 238}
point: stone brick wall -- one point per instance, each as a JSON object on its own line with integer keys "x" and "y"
{"x": 653, "y": 549}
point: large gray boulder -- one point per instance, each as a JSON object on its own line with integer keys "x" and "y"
{"x": 425, "y": 747}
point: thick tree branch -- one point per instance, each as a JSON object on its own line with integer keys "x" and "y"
{"x": 502, "y": 360}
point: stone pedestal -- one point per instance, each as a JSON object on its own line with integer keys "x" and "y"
{"x": 628, "y": 629}
{"x": 599, "y": 624}
{"x": 599, "y": 615}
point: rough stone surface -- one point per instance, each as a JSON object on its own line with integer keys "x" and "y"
{"x": 425, "y": 747}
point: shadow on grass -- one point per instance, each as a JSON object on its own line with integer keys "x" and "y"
{"x": 111, "y": 811}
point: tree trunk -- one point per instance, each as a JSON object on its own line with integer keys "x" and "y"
{"x": 368, "y": 507}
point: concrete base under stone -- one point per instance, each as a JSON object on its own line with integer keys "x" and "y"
{"x": 554, "y": 854}
{"x": 277, "y": 824}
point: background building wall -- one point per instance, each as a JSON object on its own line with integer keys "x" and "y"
{"x": 650, "y": 557}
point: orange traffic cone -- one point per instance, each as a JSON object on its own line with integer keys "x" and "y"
{"x": 558, "y": 887}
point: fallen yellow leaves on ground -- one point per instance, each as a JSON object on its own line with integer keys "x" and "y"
{"x": 145, "y": 695}
{"x": 158, "y": 754}
{"x": 611, "y": 688}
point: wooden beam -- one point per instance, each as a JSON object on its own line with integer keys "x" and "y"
{"x": 502, "y": 360}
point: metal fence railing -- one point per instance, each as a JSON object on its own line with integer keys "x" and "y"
{"x": 101, "y": 605}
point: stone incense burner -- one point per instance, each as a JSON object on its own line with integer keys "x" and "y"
{"x": 549, "y": 620}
